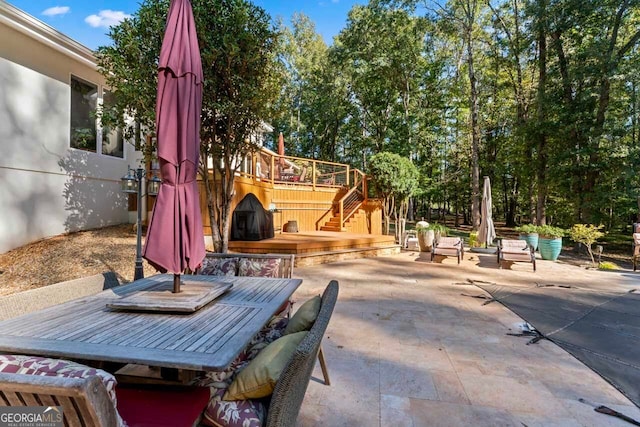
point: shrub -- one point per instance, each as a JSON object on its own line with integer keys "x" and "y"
{"x": 587, "y": 234}
{"x": 550, "y": 231}
{"x": 473, "y": 239}
{"x": 439, "y": 228}
{"x": 606, "y": 265}
{"x": 527, "y": 229}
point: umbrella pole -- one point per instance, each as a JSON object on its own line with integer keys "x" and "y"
{"x": 176, "y": 283}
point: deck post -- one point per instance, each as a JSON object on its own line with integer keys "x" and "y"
{"x": 348, "y": 171}
{"x": 254, "y": 163}
{"x": 313, "y": 173}
{"x": 273, "y": 170}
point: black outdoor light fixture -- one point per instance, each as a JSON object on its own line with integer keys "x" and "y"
{"x": 132, "y": 183}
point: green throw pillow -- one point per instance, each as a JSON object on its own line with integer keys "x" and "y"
{"x": 305, "y": 316}
{"x": 259, "y": 377}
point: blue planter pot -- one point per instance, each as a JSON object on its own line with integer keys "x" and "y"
{"x": 531, "y": 239}
{"x": 550, "y": 248}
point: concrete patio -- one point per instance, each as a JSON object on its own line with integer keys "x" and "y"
{"x": 406, "y": 348}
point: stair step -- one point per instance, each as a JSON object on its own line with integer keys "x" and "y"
{"x": 331, "y": 228}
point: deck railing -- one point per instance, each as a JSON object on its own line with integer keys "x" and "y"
{"x": 353, "y": 199}
{"x": 264, "y": 165}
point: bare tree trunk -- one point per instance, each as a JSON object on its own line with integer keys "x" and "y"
{"x": 216, "y": 239}
{"x": 541, "y": 215}
{"x": 474, "y": 119}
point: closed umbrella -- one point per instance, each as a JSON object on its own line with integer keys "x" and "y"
{"x": 175, "y": 239}
{"x": 487, "y": 232}
{"x": 281, "y": 148}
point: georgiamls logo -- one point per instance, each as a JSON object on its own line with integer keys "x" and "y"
{"x": 52, "y": 408}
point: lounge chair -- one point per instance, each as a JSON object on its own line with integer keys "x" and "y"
{"x": 636, "y": 250}
{"x": 515, "y": 251}
{"x": 448, "y": 246}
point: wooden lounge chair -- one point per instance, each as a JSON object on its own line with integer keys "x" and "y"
{"x": 515, "y": 251}
{"x": 448, "y": 246}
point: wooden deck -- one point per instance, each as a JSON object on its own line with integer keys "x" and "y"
{"x": 315, "y": 247}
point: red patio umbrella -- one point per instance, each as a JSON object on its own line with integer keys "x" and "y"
{"x": 175, "y": 240}
{"x": 281, "y": 148}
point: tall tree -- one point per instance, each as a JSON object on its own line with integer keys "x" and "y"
{"x": 238, "y": 49}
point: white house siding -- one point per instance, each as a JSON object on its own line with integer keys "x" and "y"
{"x": 46, "y": 187}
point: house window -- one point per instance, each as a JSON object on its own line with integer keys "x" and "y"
{"x": 112, "y": 139}
{"x": 84, "y": 101}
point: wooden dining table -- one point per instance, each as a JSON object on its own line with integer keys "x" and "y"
{"x": 207, "y": 339}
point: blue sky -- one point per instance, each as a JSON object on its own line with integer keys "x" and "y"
{"x": 87, "y": 21}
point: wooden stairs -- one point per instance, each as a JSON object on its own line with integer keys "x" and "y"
{"x": 352, "y": 214}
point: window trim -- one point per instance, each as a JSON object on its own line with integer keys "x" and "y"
{"x": 100, "y": 89}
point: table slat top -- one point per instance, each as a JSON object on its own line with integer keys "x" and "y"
{"x": 208, "y": 339}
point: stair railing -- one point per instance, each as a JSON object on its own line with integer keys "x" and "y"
{"x": 354, "y": 198}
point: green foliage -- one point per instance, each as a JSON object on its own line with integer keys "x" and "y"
{"x": 551, "y": 232}
{"x": 395, "y": 179}
{"x": 559, "y": 129}
{"x": 527, "y": 228}
{"x": 607, "y": 265}
{"x": 393, "y": 175}
{"x": 439, "y": 228}
{"x": 238, "y": 47}
{"x": 473, "y": 240}
{"x": 587, "y": 234}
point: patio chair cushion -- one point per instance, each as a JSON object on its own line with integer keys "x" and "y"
{"x": 304, "y": 317}
{"x": 162, "y": 407}
{"x": 219, "y": 266}
{"x": 222, "y": 378}
{"x": 42, "y": 366}
{"x": 259, "y": 377}
{"x": 449, "y": 242}
{"x": 268, "y": 267}
{"x": 233, "y": 413}
{"x": 513, "y": 245}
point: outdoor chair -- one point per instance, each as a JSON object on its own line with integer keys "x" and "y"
{"x": 515, "y": 251}
{"x": 448, "y": 246}
{"x": 263, "y": 265}
{"x": 636, "y": 250}
{"x": 287, "y": 396}
{"x": 89, "y": 396}
{"x": 270, "y": 395}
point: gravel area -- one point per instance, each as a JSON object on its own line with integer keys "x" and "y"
{"x": 71, "y": 256}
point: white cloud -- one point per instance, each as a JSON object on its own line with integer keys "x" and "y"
{"x": 56, "y": 10}
{"x": 106, "y": 18}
